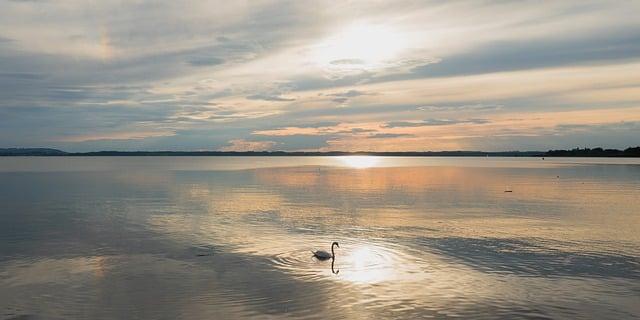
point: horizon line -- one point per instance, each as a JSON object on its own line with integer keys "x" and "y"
{"x": 596, "y": 151}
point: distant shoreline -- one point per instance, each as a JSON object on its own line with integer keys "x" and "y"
{"x": 595, "y": 152}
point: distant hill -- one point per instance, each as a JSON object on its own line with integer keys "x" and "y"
{"x": 55, "y": 152}
{"x": 31, "y": 152}
{"x": 586, "y": 152}
{"x": 313, "y": 154}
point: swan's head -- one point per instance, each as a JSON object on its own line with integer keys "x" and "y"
{"x": 335, "y": 244}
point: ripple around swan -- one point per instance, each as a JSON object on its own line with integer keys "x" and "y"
{"x": 357, "y": 261}
{"x": 302, "y": 264}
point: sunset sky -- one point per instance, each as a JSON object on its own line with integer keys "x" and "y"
{"x": 319, "y": 75}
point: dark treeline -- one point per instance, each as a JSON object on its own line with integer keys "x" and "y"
{"x": 586, "y": 152}
{"x": 54, "y": 152}
{"x": 31, "y": 152}
{"x": 595, "y": 152}
{"x": 312, "y": 154}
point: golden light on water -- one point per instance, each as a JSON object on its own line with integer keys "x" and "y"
{"x": 359, "y": 162}
{"x": 366, "y": 266}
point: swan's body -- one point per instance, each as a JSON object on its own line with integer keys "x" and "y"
{"x": 323, "y": 255}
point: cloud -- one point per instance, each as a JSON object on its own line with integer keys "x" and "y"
{"x": 432, "y": 122}
{"x": 465, "y": 107}
{"x": 566, "y": 136}
{"x": 357, "y": 130}
{"x": 205, "y": 61}
{"x": 500, "y": 56}
{"x": 211, "y": 74}
{"x": 318, "y": 124}
{"x": 389, "y": 135}
{"x": 350, "y": 94}
{"x": 22, "y": 75}
{"x": 347, "y": 61}
{"x": 298, "y": 142}
{"x": 119, "y": 135}
{"x": 344, "y": 96}
{"x": 569, "y": 128}
{"x": 327, "y": 128}
{"x": 245, "y": 145}
{"x": 268, "y": 97}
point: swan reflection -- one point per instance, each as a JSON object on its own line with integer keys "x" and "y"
{"x": 333, "y": 260}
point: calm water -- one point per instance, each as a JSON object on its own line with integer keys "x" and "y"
{"x": 194, "y": 238}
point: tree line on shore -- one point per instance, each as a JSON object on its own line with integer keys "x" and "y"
{"x": 577, "y": 152}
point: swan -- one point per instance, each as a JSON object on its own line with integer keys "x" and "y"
{"x": 323, "y": 255}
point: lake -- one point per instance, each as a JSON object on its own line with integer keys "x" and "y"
{"x": 231, "y": 238}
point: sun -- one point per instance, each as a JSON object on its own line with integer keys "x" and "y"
{"x": 359, "y": 45}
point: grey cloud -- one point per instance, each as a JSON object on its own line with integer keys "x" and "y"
{"x": 361, "y": 130}
{"x": 464, "y": 107}
{"x": 343, "y": 97}
{"x": 318, "y": 124}
{"x": 347, "y": 61}
{"x": 46, "y": 94}
{"x": 365, "y": 110}
{"x": 349, "y": 94}
{"x": 499, "y": 56}
{"x": 269, "y": 97}
{"x": 389, "y": 135}
{"x": 616, "y": 126}
{"x": 521, "y": 55}
{"x": 317, "y": 82}
{"x": 432, "y": 122}
{"x": 150, "y": 27}
{"x": 222, "y": 51}
{"x": 22, "y": 75}
{"x": 618, "y": 135}
{"x": 297, "y": 142}
{"x": 205, "y": 61}
{"x": 356, "y": 131}
{"x": 403, "y": 124}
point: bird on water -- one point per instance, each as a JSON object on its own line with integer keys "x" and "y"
{"x": 323, "y": 255}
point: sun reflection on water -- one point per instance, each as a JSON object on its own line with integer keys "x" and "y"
{"x": 365, "y": 266}
{"x": 368, "y": 263}
{"x": 359, "y": 162}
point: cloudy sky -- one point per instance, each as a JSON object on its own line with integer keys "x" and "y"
{"x": 315, "y": 75}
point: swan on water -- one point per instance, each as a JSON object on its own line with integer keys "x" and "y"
{"x": 323, "y": 255}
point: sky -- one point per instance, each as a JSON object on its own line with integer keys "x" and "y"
{"x": 319, "y": 75}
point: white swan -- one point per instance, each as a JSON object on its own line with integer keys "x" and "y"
{"x": 323, "y": 255}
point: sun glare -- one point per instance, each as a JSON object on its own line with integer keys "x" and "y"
{"x": 360, "y": 44}
{"x": 359, "y": 162}
{"x": 367, "y": 267}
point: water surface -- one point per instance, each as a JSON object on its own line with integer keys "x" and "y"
{"x": 223, "y": 237}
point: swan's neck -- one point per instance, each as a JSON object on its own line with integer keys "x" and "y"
{"x": 332, "y": 254}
